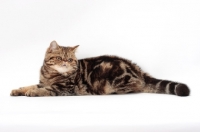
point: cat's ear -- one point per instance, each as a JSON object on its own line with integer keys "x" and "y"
{"x": 74, "y": 48}
{"x": 53, "y": 46}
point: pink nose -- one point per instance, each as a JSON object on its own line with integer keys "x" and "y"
{"x": 63, "y": 64}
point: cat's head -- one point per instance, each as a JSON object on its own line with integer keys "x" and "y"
{"x": 60, "y": 58}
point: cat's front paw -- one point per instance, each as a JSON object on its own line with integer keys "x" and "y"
{"x": 32, "y": 93}
{"x": 38, "y": 92}
{"x": 16, "y": 92}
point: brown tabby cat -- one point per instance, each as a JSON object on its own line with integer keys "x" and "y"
{"x": 62, "y": 75}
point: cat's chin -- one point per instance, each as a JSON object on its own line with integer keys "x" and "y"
{"x": 62, "y": 69}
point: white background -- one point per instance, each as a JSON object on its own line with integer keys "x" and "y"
{"x": 162, "y": 36}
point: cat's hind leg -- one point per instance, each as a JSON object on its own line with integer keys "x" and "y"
{"x": 128, "y": 84}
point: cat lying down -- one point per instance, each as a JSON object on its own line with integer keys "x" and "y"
{"x": 62, "y": 74}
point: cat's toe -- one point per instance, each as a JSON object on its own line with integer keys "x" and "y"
{"x": 31, "y": 93}
{"x": 16, "y": 92}
{"x": 13, "y": 93}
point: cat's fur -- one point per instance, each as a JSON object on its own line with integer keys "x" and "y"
{"x": 62, "y": 75}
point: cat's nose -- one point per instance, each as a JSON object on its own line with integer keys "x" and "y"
{"x": 64, "y": 64}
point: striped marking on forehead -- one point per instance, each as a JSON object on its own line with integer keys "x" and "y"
{"x": 66, "y": 52}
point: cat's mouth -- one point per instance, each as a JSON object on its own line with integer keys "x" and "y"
{"x": 61, "y": 69}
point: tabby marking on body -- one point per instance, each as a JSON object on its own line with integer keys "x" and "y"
{"x": 62, "y": 74}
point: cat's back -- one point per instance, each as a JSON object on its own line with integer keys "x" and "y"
{"x": 106, "y": 59}
{"x": 109, "y": 65}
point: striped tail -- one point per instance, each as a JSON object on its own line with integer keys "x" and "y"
{"x": 154, "y": 85}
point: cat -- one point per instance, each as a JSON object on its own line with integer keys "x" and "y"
{"x": 63, "y": 75}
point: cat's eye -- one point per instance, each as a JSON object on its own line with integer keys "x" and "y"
{"x": 58, "y": 58}
{"x": 70, "y": 60}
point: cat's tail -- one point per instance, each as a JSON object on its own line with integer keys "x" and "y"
{"x": 154, "y": 85}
